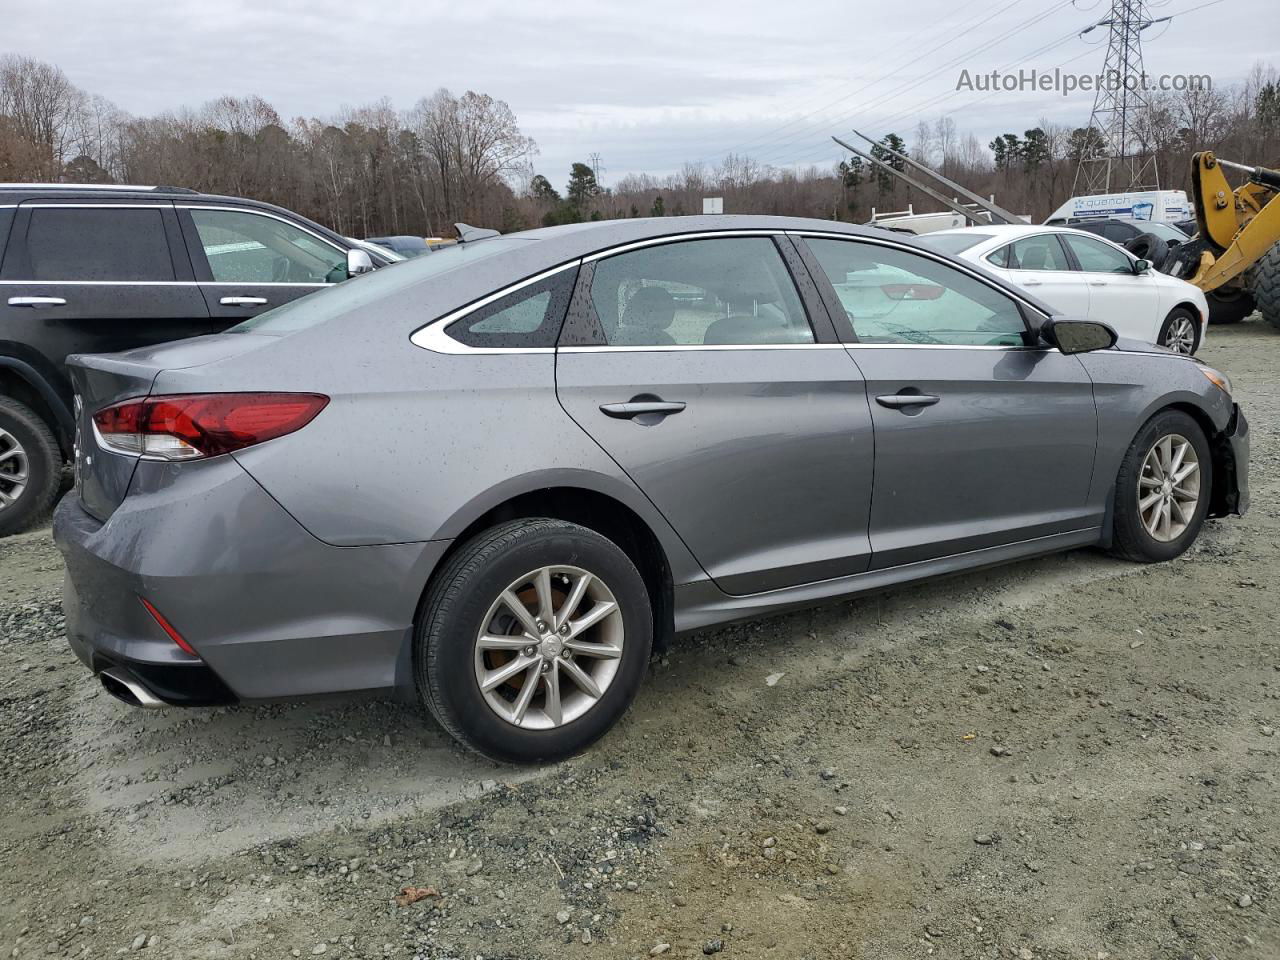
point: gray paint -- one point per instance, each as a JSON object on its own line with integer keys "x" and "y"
{"x": 296, "y": 566}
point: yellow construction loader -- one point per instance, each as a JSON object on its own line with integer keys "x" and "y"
{"x": 1235, "y": 257}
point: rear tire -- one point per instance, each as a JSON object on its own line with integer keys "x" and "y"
{"x": 30, "y": 467}
{"x": 1228, "y": 305}
{"x": 1152, "y": 521}
{"x": 1180, "y": 331}
{"x": 1266, "y": 286}
{"x": 468, "y": 635}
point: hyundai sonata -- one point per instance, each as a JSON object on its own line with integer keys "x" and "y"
{"x": 499, "y": 476}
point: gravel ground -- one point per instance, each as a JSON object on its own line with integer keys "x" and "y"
{"x": 1070, "y": 758}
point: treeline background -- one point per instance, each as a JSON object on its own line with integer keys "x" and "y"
{"x": 375, "y": 170}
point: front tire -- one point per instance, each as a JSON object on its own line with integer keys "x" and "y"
{"x": 1180, "y": 331}
{"x": 533, "y": 640}
{"x": 1163, "y": 489}
{"x": 30, "y": 467}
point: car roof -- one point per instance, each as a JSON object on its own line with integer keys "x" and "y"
{"x": 1007, "y": 229}
{"x": 16, "y": 193}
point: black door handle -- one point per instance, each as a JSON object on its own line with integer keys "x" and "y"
{"x": 639, "y": 408}
{"x": 897, "y": 401}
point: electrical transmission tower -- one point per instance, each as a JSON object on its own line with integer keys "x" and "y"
{"x": 1112, "y": 161}
{"x": 595, "y": 168}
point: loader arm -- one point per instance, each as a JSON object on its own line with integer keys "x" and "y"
{"x": 1238, "y": 226}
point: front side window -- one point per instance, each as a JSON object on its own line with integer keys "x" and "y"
{"x": 530, "y": 317}
{"x": 892, "y": 296}
{"x": 251, "y": 248}
{"x": 1097, "y": 257}
{"x": 94, "y": 244}
{"x": 729, "y": 290}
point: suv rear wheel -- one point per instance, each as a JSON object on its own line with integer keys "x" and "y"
{"x": 533, "y": 640}
{"x": 29, "y": 466}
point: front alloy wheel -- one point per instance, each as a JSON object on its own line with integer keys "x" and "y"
{"x": 1169, "y": 487}
{"x": 533, "y": 639}
{"x": 1180, "y": 334}
{"x": 1162, "y": 490}
{"x": 15, "y": 469}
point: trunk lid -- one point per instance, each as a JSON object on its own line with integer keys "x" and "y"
{"x": 102, "y": 476}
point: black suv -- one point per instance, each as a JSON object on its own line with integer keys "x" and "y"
{"x": 96, "y": 269}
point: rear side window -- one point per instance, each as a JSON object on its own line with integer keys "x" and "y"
{"x": 1042, "y": 252}
{"x": 732, "y": 290}
{"x": 528, "y": 318}
{"x": 93, "y": 244}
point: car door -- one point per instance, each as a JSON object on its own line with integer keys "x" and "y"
{"x": 695, "y": 365}
{"x": 96, "y": 278}
{"x": 249, "y": 260}
{"x": 1040, "y": 265}
{"x": 981, "y": 440}
{"x": 1129, "y": 302}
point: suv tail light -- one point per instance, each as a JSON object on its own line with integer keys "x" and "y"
{"x": 197, "y": 425}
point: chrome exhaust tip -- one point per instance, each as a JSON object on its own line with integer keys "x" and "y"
{"x": 128, "y": 690}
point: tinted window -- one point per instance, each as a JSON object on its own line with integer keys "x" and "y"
{"x": 953, "y": 242}
{"x": 365, "y": 292}
{"x": 529, "y": 317}
{"x": 93, "y": 244}
{"x": 251, "y": 248}
{"x": 733, "y": 290}
{"x": 1097, "y": 257}
{"x": 893, "y": 296}
{"x": 1037, "y": 253}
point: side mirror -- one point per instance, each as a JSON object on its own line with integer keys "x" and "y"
{"x": 1077, "y": 336}
{"x": 358, "y": 262}
{"x": 1141, "y": 266}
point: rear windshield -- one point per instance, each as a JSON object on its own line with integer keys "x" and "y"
{"x": 368, "y": 289}
{"x": 952, "y": 242}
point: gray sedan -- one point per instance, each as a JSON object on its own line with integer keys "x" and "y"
{"x": 499, "y": 477}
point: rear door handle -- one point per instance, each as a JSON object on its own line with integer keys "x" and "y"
{"x": 1097, "y": 283}
{"x": 896, "y": 401}
{"x": 243, "y": 301}
{"x": 37, "y": 303}
{"x": 638, "y": 408}
{"x": 1032, "y": 283}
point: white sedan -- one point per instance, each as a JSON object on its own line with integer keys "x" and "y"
{"x": 1083, "y": 275}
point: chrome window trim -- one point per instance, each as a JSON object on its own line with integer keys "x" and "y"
{"x": 76, "y": 205}
{"x": 260, "y": 213}
{"x": 681, "y": 237}
{"x": 161, "y": 283}
{"x": 701, "y": 347}
{"x": 434, "y": 336}
{"x": 920, "y": 251}
{"x": 1041, "y": 348}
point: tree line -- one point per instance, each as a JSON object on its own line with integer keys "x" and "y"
{"x": 375, "y": 170}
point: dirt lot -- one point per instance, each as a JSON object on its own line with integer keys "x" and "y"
{"x": 1070, "y": 758}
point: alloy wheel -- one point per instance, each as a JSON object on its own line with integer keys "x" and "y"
{"x": 1169, "y": 487}
{"x": 1181, "y": 337}
{"x": 549, "y": 647}
{"x": 15, "y": 468}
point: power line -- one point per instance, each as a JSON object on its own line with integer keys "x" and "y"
{"x": 902, "y": 88}
{"x": 761, "y": 139}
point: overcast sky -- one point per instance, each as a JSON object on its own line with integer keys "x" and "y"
{"x": 647, "y": 84}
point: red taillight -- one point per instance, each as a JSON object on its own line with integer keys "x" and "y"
{"x": 168, "y": 628}
{"x": 190, "y": 426}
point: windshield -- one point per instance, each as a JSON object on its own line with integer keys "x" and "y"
{"x": 368, "y": 289}
{"x": 953, "y": 242}
{"x": 1166, "y": 232}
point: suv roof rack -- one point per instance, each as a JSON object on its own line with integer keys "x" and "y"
{"x": 94, "y": 186}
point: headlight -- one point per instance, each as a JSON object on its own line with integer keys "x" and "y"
{"x": 1219, "y": 380}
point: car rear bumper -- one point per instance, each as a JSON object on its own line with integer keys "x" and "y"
{"x": 270, "y": 610}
